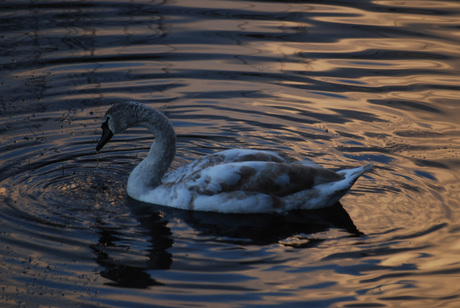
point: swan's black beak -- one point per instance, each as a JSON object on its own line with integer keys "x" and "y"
{"x": 106, "y": 136}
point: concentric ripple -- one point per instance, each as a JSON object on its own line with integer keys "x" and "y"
{"x": 46, "y": 179}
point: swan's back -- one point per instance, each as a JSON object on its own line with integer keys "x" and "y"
{"x": 249, "y": 181}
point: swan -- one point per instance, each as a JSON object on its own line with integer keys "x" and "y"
{"x": 231, "y": 181}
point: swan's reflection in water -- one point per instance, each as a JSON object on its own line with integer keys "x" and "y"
{"x": 124, "y": 268}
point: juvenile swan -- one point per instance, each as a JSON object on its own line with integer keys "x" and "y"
{"x": 232, "y": 181}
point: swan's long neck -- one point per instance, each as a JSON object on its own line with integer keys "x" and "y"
{"x": 149, "y": 172}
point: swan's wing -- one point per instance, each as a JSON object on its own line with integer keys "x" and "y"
{"x": 233, "y": 155}
{"x": 277, "y": 179}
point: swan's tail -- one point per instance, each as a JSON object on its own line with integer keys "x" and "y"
{"x": 351, "y": 175}
{"x": 326, "y": 194}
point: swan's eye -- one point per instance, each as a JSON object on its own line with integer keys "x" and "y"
{"x": 105, "y": 125}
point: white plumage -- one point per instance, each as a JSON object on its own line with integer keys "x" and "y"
{"x": 232, "y": 181}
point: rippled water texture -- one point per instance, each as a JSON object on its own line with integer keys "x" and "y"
{"x": 340, "y": 82}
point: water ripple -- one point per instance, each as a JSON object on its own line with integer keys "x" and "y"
{"x": 340, "y": 83}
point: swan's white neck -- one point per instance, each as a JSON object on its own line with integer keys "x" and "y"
{"x": 147, "y": 175}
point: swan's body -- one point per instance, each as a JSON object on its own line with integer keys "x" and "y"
{"x": 232, "y": 181}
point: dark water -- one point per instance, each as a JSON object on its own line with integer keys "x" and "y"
{"x": 340, "y": 82}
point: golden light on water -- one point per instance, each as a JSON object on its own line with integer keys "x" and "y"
{"x": 342, "y": 84}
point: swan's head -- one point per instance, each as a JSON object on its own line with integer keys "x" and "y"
{"x": 118, "y": 118}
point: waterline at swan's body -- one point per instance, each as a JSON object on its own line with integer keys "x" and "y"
{"x": 232, "y": 181}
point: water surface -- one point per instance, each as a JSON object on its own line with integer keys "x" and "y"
{"x": 342, "y": 83}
